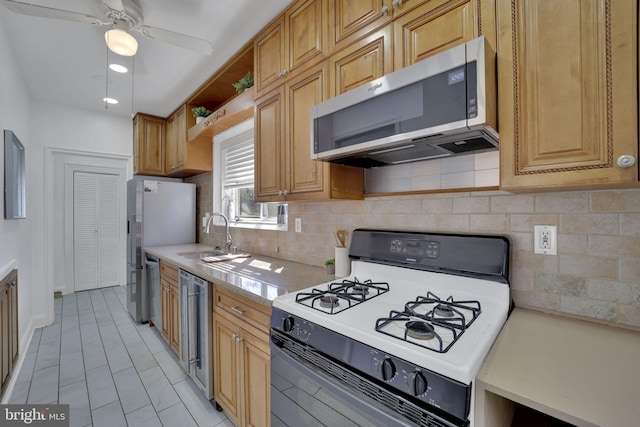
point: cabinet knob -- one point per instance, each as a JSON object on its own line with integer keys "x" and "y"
{"x": 285, "y": 192}
{"x": 396, "y": 3}
{"x": 626, "y": 161}
{"x": 385, "y": 9}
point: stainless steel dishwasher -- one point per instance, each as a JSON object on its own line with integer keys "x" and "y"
{"x": 153, "y": 300}
{"x": 195, "y": 331}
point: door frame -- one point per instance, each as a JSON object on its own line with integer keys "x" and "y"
{"x": 59, "y": 163}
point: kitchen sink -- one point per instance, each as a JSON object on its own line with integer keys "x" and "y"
{"x": 199, "y": 255}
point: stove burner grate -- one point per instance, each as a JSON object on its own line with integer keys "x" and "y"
{"x": 348, "y": 292}
{"x": 448, "y": 319}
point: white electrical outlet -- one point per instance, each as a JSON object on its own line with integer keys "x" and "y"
{"x": 545, "y": 239}
{"x": 298, "y": 225}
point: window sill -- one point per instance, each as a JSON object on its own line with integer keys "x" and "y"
{"x": 259, "y": 225}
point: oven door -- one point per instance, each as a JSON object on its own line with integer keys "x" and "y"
{"x": 304, "y": 395}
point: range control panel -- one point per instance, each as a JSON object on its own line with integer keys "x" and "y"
{"x": 413, "y": 247}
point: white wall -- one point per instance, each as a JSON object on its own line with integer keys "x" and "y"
{"x": 16, "y": 235}
{"x": 44, "y": 129}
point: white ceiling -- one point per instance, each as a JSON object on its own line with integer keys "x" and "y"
{"x": 65, "y": 62}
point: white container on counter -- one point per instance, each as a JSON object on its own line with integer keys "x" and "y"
{"x": 343, "y": 263}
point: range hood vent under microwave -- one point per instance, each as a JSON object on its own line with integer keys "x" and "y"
{"x": 442, "y": 106}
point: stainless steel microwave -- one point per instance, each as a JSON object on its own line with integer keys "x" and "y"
{"x": 442, "y": 106}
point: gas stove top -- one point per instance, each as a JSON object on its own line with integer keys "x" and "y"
{"x": 459, "y": 342}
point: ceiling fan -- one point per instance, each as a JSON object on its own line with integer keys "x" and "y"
{"x": 122, "y": 16}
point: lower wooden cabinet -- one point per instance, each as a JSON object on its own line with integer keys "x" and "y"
{"x": 241, "y": 359}
{"x": 170, "y": 303}
{"x": 8, "y": 327}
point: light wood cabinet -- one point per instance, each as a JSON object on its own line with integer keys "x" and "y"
{"x": 8, "y": 327}
{"x": 299, "y": 37}
{"x": 437, "y": 25}
{"x": 170, "y": 303}
{"x": 363, "y": 61}
{"x": 185, "y": 158}
{"x": 242, "y": 358}
{"x": 284, "y": 169}
{"x": 148, "y": 144}
{"x": 568, "y": 105}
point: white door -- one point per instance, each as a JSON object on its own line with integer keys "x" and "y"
{"x": 95, "y": 230}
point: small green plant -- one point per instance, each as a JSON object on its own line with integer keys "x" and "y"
{"x": 330, "y": 261}
{"x": 200, "y": 112}
{"x": 244, "y": 83}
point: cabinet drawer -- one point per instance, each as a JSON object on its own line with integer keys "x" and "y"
{"x": 242, "y": 309}
{"x": 168, "y": 272}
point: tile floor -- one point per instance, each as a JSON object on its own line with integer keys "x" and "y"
{"x": 110, "y": 370}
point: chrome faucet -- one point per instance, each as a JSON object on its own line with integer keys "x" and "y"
{"x": 229, "y": 241}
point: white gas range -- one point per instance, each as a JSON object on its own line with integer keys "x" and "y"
{"x": 401, "y": 339}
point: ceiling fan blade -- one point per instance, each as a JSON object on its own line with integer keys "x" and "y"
{"x": 176, "y": 39}
{"x": 49, "y": 12}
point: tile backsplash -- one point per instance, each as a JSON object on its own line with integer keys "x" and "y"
{"x": 596, "y": 273}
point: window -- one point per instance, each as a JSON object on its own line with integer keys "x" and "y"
{"x": 234, "y": 178}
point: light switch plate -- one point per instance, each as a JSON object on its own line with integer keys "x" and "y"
{"x": 298, "y": 225}
{"x": 545, "y": 239}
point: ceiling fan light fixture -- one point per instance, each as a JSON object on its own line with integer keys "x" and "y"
{"x": 121, "y": 42}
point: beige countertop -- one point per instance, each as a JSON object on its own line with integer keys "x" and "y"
{"x": 581, "y": 372}
{"x": 257, "y": 277}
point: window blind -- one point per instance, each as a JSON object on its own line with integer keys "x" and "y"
{"x": 238, "y": 165}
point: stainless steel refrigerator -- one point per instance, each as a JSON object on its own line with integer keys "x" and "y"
{"x": 160, "y": 211}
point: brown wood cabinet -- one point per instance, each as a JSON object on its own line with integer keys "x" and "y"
{"x": 298, "y": 37}
{"x": 170, "y": 303}
{"x": 185, "y": 158}
{"x": 8, "y": 327}
{"x": 242, "y": 358}
{"x": 434, "y": 26}
{"x": 284, "y": 169}
{"x": 568, "y": 105}
{"x": 148, "y": 144}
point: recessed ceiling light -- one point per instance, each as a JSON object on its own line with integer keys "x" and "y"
{"x": 110, "y": 100}
{"x": 118, "y": 68}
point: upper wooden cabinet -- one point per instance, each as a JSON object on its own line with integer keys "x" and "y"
{"x": 367, "y": 59}
{"x": 185, "y": 158}
{"x": 568, "y": 106}
{"x": 148, "y": 144}
{"x": 299, "y": 37}
{"x": 284, "y": 169}
{"x": 437, "y": 25}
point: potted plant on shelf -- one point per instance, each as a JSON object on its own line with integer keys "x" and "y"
{"x": 330, "y": 265}
{"x": 244, "y": 83}
{"x": 200, "y": 113}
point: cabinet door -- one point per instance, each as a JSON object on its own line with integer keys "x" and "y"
{"x": 432, "y": 28}
{"x": 568, "y": 93}
{"x": 226, "y": 369}
{"x": 353, "y": 19}
{"x": 269, "y": 57}
{"x": 170, "y": 144}
{"x": 269, "y": 154}
{"x": 175, "y": 319}
{"x": 257, "y": 381}
{"x": 165, "y": 301}
{"x": 148, "y": 141}
{"x": 363, "y": 61}
{"x": 303, "y": 92}
{"x": 5, "y": 341}
{"x": 13, "y": 307}
{"x": 306, "y": 30}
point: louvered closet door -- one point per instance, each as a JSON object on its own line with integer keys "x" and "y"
{"x": 95, "y": 230}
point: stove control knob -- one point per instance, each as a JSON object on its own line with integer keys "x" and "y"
{"x": 287, "y": 324}
{"x": 387, "y": 369}
{"x": 417, "y": 383}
